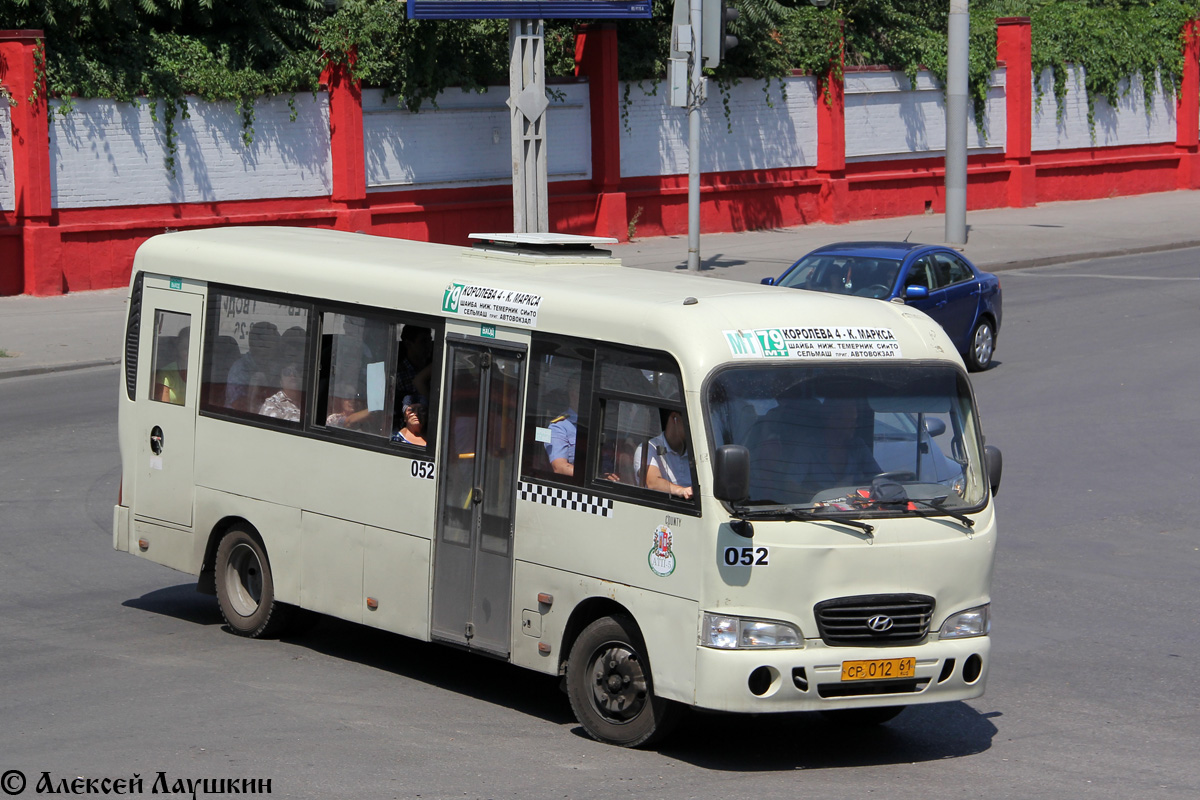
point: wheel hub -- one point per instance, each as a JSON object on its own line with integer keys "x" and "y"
{"x": 244, "y": 580}
{"x": 619, "y": 689}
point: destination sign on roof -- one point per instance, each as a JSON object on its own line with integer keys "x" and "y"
{"x": 528, "y": 9}
{"x": 814, "y": 342}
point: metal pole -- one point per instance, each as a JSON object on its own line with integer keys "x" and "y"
{"x": 958, "y": 44}
{"x": 695, "y": 93}
{"x": 527, "y": 103}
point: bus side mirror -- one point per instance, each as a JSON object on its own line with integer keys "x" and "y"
{"x": 731, "y": 473}
{"x": 767, "y": 281}
{"x": 994, "y": 462}
{"x": 915, "y": 292}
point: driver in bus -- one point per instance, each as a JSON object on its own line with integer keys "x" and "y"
{"x": 838, "y": 456}
{"x": 668, "y": 466}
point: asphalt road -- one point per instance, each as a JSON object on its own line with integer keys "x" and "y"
{"x": 111, "y": 667}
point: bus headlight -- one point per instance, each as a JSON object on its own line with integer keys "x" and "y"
{"x": 972, "y": 622}
{"x": 736, "y": 633}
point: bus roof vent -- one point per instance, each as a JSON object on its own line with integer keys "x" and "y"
{"x": 543, "y": 245}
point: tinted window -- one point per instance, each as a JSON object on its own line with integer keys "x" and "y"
{"x": 172, "y": 334}
{"x": 255, "y": 356}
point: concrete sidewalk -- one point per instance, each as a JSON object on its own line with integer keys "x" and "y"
{"x": 85, "y": 329}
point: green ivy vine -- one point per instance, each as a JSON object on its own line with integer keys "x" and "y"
{"x": 162, "y": 52}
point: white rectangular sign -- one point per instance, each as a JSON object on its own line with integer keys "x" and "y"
{"x": 814, "y": 342}
{"x": 506, "y": 306}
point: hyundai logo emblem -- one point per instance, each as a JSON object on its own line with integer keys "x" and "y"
{"x": 880, "y": 623}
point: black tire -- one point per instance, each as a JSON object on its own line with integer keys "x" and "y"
{"x": 610, "y": 686}
{"x": 245, "y": 587}
{"x": 982, "y": 346}
{"x": 862, "y": 717}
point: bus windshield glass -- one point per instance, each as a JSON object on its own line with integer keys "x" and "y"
{"x": 863, "y": 440}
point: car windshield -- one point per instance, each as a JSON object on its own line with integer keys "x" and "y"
{"x": 844, "y": 274}
{"x": 858, "y": 440}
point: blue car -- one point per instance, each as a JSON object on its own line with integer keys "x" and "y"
{"x": 938, "y": 280}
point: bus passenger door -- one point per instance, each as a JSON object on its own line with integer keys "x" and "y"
{"x": 472, "y": 578}
{"x": 168, "y": 392}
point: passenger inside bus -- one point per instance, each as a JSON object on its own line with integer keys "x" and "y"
{"x": 415, "y": 365}
{"x": 170, "y": 381}
{"x": 415, "y": 418}
{"x": 563, "y": 428}
{"x": 289, "y": 400}
{"x": 259, "y": 359}
{"x": 349, "y": 409}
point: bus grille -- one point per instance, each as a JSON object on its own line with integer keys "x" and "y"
{"x": 845, "y": 620}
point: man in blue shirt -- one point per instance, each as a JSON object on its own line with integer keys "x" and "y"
{"x": 561, "y": 447}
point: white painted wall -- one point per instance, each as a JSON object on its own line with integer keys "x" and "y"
{"x": 889, "y": 118}
{"x": 654, "y": 135}
{"x": 464, "y": 140}
{"x": 7, "y": 194}
{"x": 105, "y": 153}
{"x": 1125, "y": 123}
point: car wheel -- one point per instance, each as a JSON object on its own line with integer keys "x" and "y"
{"x": 246, "y": 588}
{"x": 982, "y": 346}
{"x": 609, "y": 685}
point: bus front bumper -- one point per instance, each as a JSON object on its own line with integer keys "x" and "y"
{"x": 810, "y": 678}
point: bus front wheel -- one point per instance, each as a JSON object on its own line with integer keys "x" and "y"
{"x": 245, "y": 587}
{"x": 609, "y": 685}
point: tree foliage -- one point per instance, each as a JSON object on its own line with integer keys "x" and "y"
{"x": 237, "y": 50}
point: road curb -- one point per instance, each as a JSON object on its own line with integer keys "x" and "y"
{"x": 43, "y": 369}
{"x": 1071, "y": 258}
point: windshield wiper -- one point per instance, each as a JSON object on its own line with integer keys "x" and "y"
{"x": 936, "y": 503}
{"x": 793, "y": 514}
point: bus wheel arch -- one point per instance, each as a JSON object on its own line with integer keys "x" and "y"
{"x": 245, "y": 585}
{"x": 609, "y": 681}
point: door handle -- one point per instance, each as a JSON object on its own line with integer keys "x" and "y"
{"x": 156, "y": 440}
{"x": 477, "y": 495}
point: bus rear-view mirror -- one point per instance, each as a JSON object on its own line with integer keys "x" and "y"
{"x": 731, "y": 473}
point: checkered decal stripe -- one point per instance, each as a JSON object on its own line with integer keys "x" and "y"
{"x": 562, "y": 498}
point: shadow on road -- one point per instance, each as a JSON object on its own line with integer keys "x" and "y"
{"x": 772, "y": 742}
{"x": 726, "y": 742}
{"x": 181, "y": 602}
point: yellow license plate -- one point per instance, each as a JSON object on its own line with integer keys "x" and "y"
{"x": 879, "y": 669}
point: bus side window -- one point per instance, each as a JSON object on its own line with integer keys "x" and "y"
{"x": 172, "y": 332}
{"x": 556, "y": 424}
{"x": 359, "y": 373}
{"x": 255, "y": 357}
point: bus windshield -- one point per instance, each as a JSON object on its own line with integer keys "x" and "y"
{"x": 873, "y": 440}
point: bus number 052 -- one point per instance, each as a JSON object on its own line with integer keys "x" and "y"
{"x": 747, "y": 556}
{"x": 422, "y": 469}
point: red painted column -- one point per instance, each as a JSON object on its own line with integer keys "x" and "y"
{"x": 346, "y": 146}
{"x": 41, "y": 258}
{"x": 831, "y": 144}
{"x": 596, "y": 59}
{"x": 1015, "y": 48}
{"x": 1187, "y": 110}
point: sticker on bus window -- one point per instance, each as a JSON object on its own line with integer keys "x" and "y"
{"x": 497, "y": 305}
{"x": 814, "y": 343}
{"x": 662, "y": 560}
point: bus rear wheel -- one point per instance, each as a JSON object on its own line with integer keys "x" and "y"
{"x": 245, "y": 587}
{"x": 609, "y": 685}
